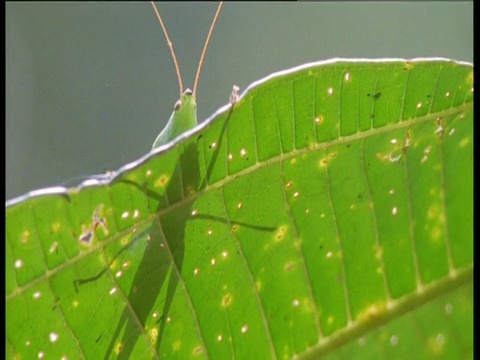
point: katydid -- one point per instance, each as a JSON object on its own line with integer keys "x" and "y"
{"x": 184, "y": 116}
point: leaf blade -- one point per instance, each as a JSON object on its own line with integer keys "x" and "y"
{"x": 284, "y": 222}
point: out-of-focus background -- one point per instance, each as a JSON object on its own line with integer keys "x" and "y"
{"x": 90, "y": 85}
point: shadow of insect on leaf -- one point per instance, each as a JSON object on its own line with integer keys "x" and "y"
{"x": 161, "y": 265}
{"x": 168, "y": 230}
{"x": 162, "y": 260}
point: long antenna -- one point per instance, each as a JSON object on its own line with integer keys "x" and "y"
{"x": 170, "y": 45}
{"x": 202, "y": 58}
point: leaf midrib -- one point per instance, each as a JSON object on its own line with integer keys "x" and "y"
{"x": 395, "y": 309}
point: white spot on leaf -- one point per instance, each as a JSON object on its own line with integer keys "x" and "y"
{"x": 53, "y": 337}
{"x": 18, "y": 263}
{"x": 244, "y": 328}
{"x": 448, "y": 309}
{"x": 53, "y": 247}
{"x": 394, "y": 211}
{"x": 394, "y": 340}
{"x": 37, "y": 294}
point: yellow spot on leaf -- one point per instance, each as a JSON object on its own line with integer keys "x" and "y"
{"x": 153, "y": 335}
{"x": 432, "y": 212}
{"x": 227, "y": 300}
{"x": 372, "y": 311}
{"x": 25, "y": 237}
{"x": 281, "y": 233}
{"x": 161, "y": 181}
{"x": 436, "y": 233}
{"x": 289, "y": 266}
{"x": 470, "y": 77}
{"x": 408, "y": 66}
{"x": 464, "y": 142}
{"x": 434, "y": 347}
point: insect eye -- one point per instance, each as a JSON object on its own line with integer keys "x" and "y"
{"x": 178, "y": 106}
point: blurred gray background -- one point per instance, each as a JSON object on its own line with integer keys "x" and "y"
{"x": 90, "y": 85}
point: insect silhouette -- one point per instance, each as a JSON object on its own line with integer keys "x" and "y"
{"x": 184, "y": 116}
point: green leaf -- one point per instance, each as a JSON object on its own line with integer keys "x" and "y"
{"x": 330, "y": 209}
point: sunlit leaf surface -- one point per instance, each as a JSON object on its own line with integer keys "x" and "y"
{"x": 329, "y": 212}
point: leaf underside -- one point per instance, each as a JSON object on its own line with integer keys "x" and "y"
{"x": 330, "y": 212}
